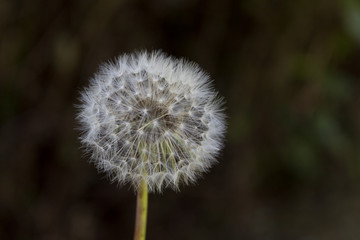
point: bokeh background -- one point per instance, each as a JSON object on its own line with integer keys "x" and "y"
{"x": 289, "y": 71}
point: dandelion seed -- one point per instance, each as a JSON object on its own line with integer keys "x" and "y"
{"x": 150, "y": 118}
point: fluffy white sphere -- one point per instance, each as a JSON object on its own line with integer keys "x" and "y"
{"x": 147, "y": 116}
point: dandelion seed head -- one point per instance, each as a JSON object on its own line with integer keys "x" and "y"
{"x": 148, "y": 116}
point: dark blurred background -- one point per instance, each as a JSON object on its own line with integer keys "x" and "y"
{"x": 289, "y": 71}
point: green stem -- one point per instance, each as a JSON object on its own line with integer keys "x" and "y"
{"x": 141, "y": 212}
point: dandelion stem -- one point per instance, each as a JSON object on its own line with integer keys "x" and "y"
{"x": 141, "y": 212}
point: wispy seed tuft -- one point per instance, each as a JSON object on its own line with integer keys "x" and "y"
{"x": 147, "y": 116}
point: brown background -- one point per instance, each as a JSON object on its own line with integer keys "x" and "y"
{"x": 289, "y": 71}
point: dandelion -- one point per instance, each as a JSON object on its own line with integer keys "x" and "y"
{"x": 152, "y": 121}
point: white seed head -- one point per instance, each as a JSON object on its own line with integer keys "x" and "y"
{"x": 147, "y": 116}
